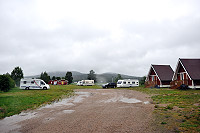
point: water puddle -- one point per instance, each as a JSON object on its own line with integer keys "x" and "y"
{"x": 62, "y": 102}
{"x": 81, "y": 96}
{"x": 146, "y": 102}
{"x": 10, "y": 123}
{"x": 122, "y": 99}
{"x": 68, "y": 111}
{"x": 131, "y": 100}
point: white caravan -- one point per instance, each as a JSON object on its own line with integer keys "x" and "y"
{"x": 128, "y": 83}
{"x": 33, "y": 84}
{"x": 85, "y": 82}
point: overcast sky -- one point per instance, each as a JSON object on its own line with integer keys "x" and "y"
{"x": 121, "y": 36}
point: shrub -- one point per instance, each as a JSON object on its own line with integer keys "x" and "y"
{"x": 6, "y": 82}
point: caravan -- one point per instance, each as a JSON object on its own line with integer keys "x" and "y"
{"x": 85, "y": 83}
{"x": 33, "y": 84}
{"x": 128, "y": 83}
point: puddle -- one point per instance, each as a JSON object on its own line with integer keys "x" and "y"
{"x": 82, "y": 93}
{"x": 62, "y": 102}
{"x": 122, "y": 99}
{"x": 81, "y": 96}
{"x": 131, "y": 100}
{"x": 127, "y": 107}
{"x": 147, "y": 102}
{"x": 68, "y": 111}
{"x": 11, "y": 123}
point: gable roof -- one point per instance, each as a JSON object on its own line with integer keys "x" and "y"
{"x": 164, "y": 72}
{"x": 192, "y": 67}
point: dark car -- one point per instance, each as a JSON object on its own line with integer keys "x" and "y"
{"x": 109, "y": 85}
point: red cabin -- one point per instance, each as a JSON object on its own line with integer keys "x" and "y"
{"x": 188, "y": 73}
{"x": 159, "y": 75}
{"x": 62, "y": 82}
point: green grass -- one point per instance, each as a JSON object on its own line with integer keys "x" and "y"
{"x": 181, "y": 110}
{"x": 17, "y": 100}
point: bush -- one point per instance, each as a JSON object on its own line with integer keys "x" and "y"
{"x": 6, "y": 82}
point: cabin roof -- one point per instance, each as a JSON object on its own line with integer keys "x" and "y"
{"x": 192, "y": 67}
{"x": 164, "y": 72}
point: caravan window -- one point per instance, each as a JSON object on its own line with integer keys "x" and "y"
{"x": 129, "y": 82}
{"x": 42, "y": 83}
{"x": 32, "y": 82}
{"x": 124, "y": 82}
{"x": 133, "y": 82}
{"x": 119, "y": 82}
{"x": 25, "y": 82}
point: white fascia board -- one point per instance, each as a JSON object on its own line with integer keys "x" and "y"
{"x": 185, "y": 70}
{"x": 157, "y": 75}
{"x": 175, "y": 73}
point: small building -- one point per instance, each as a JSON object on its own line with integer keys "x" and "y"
{"x": 159, "y": 76}
{"x": 188, "y": 73}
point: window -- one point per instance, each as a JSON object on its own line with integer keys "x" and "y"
{"x": 152, "y": 78}
{"x": 24, "y": 82}
{"x": 182, "y": 76}
{"x": 124, "y": 82}
{"x": 32, "y": 82}
{"x": 119, "y": 82}
{"x": 42, "y": 83}
{"x": 133, "y": 82}
{"x": 129, "y": 82}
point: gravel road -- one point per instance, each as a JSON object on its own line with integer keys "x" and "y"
{"x": 90, "y": 110}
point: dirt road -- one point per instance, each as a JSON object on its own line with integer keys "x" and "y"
{"x": 90, "y": 110}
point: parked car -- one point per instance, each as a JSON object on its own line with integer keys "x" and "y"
{"x": 109, "y": 85}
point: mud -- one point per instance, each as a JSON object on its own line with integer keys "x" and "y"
{"x": 90, "y": 110}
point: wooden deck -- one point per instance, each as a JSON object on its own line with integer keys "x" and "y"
{"x": 177, "y": 83}
{"x": 150, "y": 84}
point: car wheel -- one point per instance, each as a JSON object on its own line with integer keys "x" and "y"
{"x": 44, "y": 88}
{"x": 27, "y": 88}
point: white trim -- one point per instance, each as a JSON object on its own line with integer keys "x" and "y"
{"x": 157, "y": 75}
{"x": 185, "y": 70}
{"x": 175, "y": 73}
{"x": 147, "y": 78}
{"x": 177, "y": 67}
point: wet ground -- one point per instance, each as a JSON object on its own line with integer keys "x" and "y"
{"x": 90, "y": 110}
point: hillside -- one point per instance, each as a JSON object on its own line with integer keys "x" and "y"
{"x": 77, "y": 76}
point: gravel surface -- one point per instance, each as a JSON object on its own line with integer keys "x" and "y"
{"x": 90, "y": 110}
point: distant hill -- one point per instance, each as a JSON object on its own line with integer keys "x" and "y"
{"x": 77, "y": 76}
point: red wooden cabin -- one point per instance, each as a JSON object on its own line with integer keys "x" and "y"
{"x": 62, "y": 82}
{"x": 187, "y": 72}
{"x": 159, "y": 75}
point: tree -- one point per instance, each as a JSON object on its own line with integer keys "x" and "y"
{"x": 92, "y": 76}
{"x": 58, "y": 78}
{"x": 44, "y": 76}
{"x": 118, "y": 77}
{"x": 17, "y": 75}
{"x": 53, "y": 78}
{"x": 142, "y": 81}
{"x": 69, "y": 77}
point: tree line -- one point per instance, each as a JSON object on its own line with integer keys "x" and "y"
{"x": 8, "y": 81}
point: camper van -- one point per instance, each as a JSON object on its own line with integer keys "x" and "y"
{"x": 33, "y": 84}
{"x": 85, "y": 83}
{"x": 128, "y": 83}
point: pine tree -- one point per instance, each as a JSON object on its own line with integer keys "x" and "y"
{"x": 69, "y": 77}
{"x": 17, "y": 75}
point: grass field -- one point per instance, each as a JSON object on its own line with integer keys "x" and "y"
{"x": 16, "y": 100}
{"x": 177, "y": 110}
